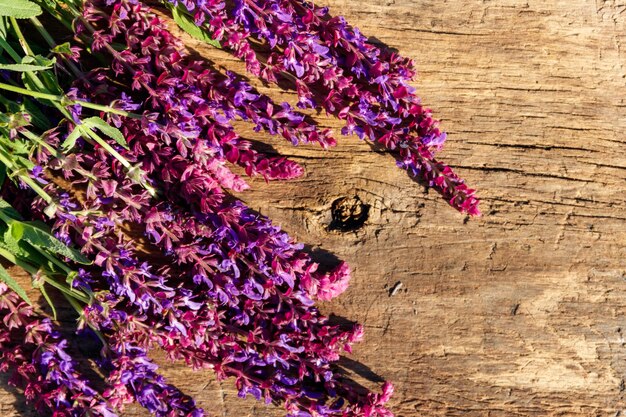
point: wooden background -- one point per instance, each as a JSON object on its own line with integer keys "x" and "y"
{"x": 517, "y": 313}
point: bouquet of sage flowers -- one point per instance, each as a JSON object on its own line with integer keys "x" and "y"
{"x": 114, "y": 139}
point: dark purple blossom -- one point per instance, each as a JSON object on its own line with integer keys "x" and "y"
{"x": 35, "y": 356}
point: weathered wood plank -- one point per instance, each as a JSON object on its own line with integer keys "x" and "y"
{"x": 521, "y": 311}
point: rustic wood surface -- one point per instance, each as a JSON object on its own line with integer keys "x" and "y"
{"x": 517, "y": 313}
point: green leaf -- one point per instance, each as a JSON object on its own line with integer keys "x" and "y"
{"x": 50, "y": 3}
{"x": 49, "y": 301}
{"x": 9, "y": 107}
{"x": 186, "y": 23}
{"x": 63, "y": 48}
{"x": 30, "y": 84}
{"x": 7, "y": 242}
{"x": 17, "y": 230}
{"x": 71, "y": 277}
{"x": 51, "y": 84}
{"x": 71, "y": 139}
{"x": 11, "y": 283}
{"x": 20, "y": 9}
{"x": 111, "y": 131}
{"x": 36, "y": 234}
{"x": 3, "y": 28}
{"x": 33, "y": 257}
{"x": 23, "y": 67}
{"x": 16, "y": 153}
{"x": 39, "y": 60}
{"x": 38, "y": 118}
{"x": 3, "y": 174}
{"x": 17, "y": 120}
{"x": 8, "y": 210}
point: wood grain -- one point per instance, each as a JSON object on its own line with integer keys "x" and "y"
{"x": 520, "y": 312}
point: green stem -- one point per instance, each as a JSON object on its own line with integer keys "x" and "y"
{"x": 66, "y": 101}
{"x": 20, "y": 36}
{"x": 40, "y": 191}
{"x": 25, "y": 91}
{"x": 70, "y": 294}
{"x": 43, "y": 32}
{"x": 54, "y": 260}
{"x": 8, "y": 220}
{"x": 107, "y": 109}
{"x": 46, "y": 296}
{"x": 56, "y": 104}
{"x": 58, "y": 100}
{"x": 14, "y": 55}
{"x": 129, "y": 168}
{"x": 74, "y": 304}
{"x": 74, "y": 11}
{"x": 96, "y": 138}
{"x": 30, "y": 135}
{"x": 67, "y": 291}
{"x": 79, "y": 309}
{"x": 6, "y": 160}
{"x": 15, "y": 261}
{"x": 59, "y": 155}
{"x": 48, "y": 38}
{"x": 34, "y": 79}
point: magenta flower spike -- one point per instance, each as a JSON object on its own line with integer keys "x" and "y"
{"x": 337, "y": 69}
{"x": 178, "y": 262}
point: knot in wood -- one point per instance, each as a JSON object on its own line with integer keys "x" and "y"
{"x": 348, "y": 213}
